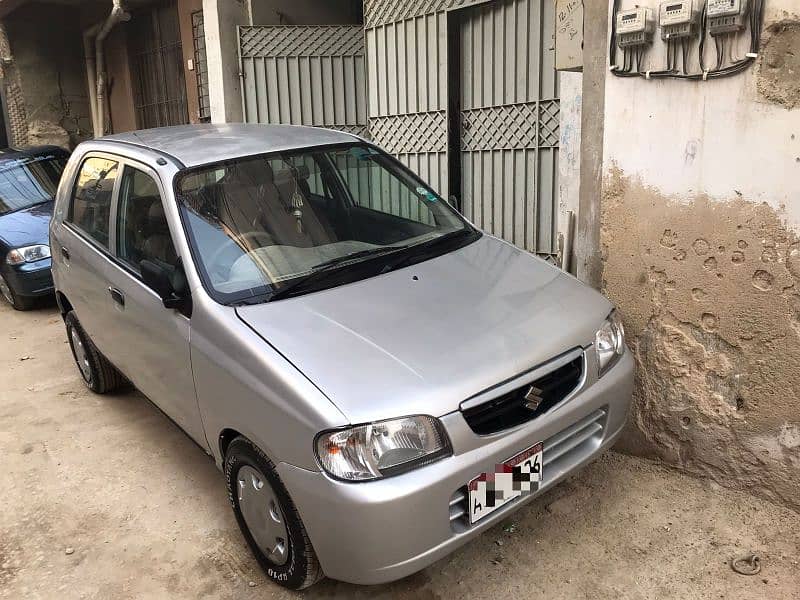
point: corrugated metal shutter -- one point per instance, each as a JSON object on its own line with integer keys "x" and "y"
{"x": 406, "y": 67}
{"x": 510, "y": 121}
{"x": 507, "y": 100}
{"x": 304, "y": 75}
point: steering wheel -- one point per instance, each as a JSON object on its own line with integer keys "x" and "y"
{"x": 252, "y": 239}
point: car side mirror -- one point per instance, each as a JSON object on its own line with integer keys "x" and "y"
{"x": 169, "y": 283}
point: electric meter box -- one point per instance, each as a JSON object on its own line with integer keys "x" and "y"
{"x": 635, "y": 27}
{"x": 677, "y": 18}
{"x": 726, "y": 8}
{"x": 726, "y": 16}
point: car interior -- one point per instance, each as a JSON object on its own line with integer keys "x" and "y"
{"x": 264, "y": 220}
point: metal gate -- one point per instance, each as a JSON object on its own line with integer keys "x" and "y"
{"x": 509, "y": 121}
{"x": 156, "y": 60}
{"x": 465, "y": 93}
{"x": 304, "y": 75}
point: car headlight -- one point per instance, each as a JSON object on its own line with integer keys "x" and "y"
{"x": 381, "y": 449}
{"x": 28, "y": 254}
{"x": 609, "y": 343}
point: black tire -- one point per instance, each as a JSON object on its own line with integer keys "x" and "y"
{"x": 301, "y": 568}
{"x": 98, "y": 373}
{"x": 18, "y": 302}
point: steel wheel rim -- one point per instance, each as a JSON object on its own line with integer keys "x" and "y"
{"x": 262, "y": 514}
{"x": 81, "y": 357}
{"x": 6, "y": 290}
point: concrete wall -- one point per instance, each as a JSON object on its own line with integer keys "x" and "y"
{"x": 569, "y": 154}
{"x": 305, "y": 12}
{"x": 701, "y": 252}
{"x": 185, "y": 10}
{"x": 223, "y": 16}
{"x": 49, "y": 62}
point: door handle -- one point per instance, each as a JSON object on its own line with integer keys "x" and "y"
{"x": 65, "y": 252}
{"x": 117, "y": 296}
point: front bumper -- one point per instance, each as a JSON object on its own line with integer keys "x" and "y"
{"x": 30, "y": 279}
{"x": 379, "y": 531}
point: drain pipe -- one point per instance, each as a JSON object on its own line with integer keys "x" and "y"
{"x": 91, "y": 77}
{"x": 117, "y": 15}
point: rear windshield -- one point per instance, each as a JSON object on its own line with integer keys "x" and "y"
{"x": 28, "y": 181}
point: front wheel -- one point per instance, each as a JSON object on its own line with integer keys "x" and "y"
{"x": 14, "y": 299}
{"x": 98, "y": 373}
{"x": 268, "y": 518}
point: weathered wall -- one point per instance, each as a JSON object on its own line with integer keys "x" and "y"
{"x": 700, "y": 214}
{"x": 49, "y": 61}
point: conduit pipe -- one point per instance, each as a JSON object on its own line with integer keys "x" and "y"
{"x": 95, "y": 64}
{"x": 91, "y": 79}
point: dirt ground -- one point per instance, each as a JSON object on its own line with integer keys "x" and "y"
{"x": 103, "y": 497}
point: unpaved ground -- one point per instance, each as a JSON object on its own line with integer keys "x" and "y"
{"x": 145, "y": 513}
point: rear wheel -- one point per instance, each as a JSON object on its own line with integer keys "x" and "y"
{"x": 268, "y": 518}
{"x": 15, "y": 300}
{"x": 98, "y": 373}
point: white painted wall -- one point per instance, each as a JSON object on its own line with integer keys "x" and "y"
{"x": 717, "y": 137}
{"x": 569, "y": 154}
{"x": 221, "y": 17}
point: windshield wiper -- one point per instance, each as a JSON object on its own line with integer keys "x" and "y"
{"x": 324, "y": 269}
{"x": 432, "y": 247}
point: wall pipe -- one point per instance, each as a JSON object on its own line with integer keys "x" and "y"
{"x": 117, "y": 15}
{"x": 91, "y": 77}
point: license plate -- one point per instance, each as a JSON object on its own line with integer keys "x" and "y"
{"x": 518, "y": 476}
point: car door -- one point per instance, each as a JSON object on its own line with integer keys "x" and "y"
{"x": 84, "y": 245}
{"x": 152, "y": 342}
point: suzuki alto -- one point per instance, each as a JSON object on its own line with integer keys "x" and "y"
{"x": 379, "y": 380}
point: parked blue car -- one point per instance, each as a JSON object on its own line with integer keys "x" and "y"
{"x": 28, "y": 182}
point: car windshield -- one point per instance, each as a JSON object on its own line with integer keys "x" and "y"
{"x": 262, "y": 223}
{"x": 28, "y": 181}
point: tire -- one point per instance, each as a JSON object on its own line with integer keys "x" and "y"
{"x": 14, "y": 299}
{"x": 97, "y": 372}
{"x": 297, "y": 567}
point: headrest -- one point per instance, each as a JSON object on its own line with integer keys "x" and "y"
{"x": 156, "y": 211}
{"x": 253, "y": 172}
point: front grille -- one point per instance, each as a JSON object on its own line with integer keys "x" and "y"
{"x": 510, "y": 410}
{"x": 562, "y": 452}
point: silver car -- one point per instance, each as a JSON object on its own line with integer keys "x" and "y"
{"x": 379, "y": 380}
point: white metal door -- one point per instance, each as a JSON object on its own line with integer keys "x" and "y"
{"x": 304, "y": 75}
{"x": 509, "y": 122}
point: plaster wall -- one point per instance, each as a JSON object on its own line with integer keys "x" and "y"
{"x": 701, "y": 253}
{"x": 49, "y": 62}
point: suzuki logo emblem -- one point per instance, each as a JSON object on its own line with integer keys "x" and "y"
{"x": 533, "y": 398}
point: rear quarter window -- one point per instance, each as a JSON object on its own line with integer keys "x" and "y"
{"x": 90, "y": 203}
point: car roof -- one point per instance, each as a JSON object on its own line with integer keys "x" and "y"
{"x": 30, "y": 152}
{"x": 195, "y": 145}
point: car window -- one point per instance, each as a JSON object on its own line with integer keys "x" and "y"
{"x": 373, "y": 186}
{"x": 259, "y": 222}
{"x": 28, "y": 181}
{"x": 91, "y": 201}
{"x": 142, "y": 230}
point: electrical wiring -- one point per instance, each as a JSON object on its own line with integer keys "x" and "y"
{"x": 722, "y": 42}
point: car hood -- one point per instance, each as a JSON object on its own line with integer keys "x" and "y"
{"x": 27, "y": 226}
{"x": 422, "y": 339}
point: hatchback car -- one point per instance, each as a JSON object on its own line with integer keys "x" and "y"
{"x": 378, "y": 380}
{"x": 28, "y": 182}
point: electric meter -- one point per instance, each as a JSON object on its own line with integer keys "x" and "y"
{"x": 677, "y": 18}
{"x": 726, "y": 16}
{"x": 635, "y": 27}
